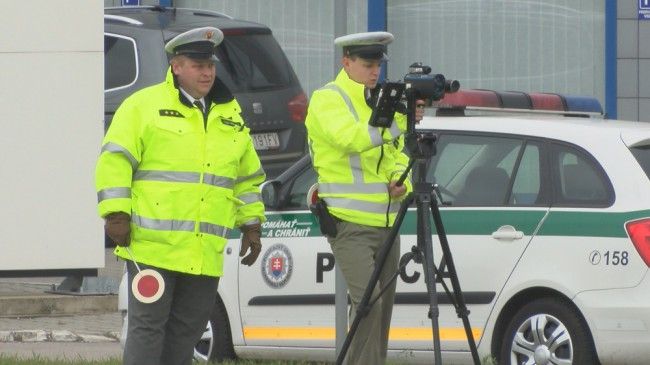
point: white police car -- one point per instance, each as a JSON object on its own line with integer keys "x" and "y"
{"x": 548, "y": 220}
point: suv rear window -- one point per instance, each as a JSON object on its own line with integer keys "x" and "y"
{"x": 254, "y": 62}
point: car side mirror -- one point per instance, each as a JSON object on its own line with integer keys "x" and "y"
{"x": 270, "y": 193}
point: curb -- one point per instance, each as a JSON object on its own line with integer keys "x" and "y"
{"x": 30, "y": 336}
{"x": 52, "y": 304}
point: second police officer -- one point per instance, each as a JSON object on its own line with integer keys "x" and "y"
{"x": 357, "y": 167}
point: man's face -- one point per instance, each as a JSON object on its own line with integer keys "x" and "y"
{"x": 362, "y": 70}
{"x": 194, "y": 76}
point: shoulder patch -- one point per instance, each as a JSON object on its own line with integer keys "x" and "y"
{"x": 170, "y": 113}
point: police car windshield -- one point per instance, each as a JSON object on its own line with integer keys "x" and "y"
{"x": 254, "y": 62}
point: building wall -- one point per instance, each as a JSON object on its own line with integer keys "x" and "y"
{"x": 633, "y": 63}
{"x": 545, "y": 46}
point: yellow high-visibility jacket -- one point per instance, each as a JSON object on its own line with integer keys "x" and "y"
{"x": 354, "y": 161}
{"x": 185, "y": 182}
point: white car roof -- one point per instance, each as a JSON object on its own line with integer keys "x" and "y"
{"x": 582, "y": 131}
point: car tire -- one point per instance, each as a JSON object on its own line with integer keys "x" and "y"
{"x": 216, "y": 343}
{"x": 544, "y": 330}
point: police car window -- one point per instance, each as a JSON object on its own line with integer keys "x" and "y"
{"x": 642, "y": 155}
{"x": 120, "y": 62}
{"x": 297, "y": 197}
{"x": 527, "y": 187}
{"x": 254, "y": 62}
{"x": 579, "y": 180}
{"x": 474, "y": 170}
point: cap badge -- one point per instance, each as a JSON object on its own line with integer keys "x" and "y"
{"x": 209, "y": 34}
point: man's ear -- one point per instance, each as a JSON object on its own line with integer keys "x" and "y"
{"x": 175, "y": 63}
{"x": 345, "y": 61}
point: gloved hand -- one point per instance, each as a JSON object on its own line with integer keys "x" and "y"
{"x": 250, "y": 239}
{"x": 118, "y": 228}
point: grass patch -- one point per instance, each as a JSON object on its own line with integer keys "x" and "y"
{"x": 38, "y": 360}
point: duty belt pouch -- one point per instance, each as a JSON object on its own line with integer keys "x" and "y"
{"x": 326, "y": 221}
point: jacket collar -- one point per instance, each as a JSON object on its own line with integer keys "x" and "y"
{"x": 355, "y": 90}
{"x": 218, "y": 94}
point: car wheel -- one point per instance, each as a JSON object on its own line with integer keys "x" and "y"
{"x": 547, "y": 331}
{"x": 216, "y": 342}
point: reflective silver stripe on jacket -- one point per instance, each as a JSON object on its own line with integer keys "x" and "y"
{"x": 213, "y": 229}
{"x": 171, "y": 176}
{"x": 113, "y": 193}
{"x": 394, "y": 130}
{"x": 341, "y": 188}
{"x": 188, "y": 177}
{"x": 221, "y": 181}
{"x": 360, "y": 205}
{"x": 116, "y": 148}
{"x": 163, "y": 224}
{"x": 179, "y": 225}
{"x": 259, "y": 172}
{"x": 375, "y": 136}
{"x": 355, "y": 168}
{"x": 345, "y": 97}
{"x": 251, "y": 222}
{"x": 250, "y": 198}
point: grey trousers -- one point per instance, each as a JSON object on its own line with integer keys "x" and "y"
{"x": 355, "y": 249}
{"x": 165, "y": 332}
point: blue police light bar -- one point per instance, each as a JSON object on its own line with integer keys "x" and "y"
{"x": 582, "y": 104}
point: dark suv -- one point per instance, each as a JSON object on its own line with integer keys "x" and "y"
{"x": 251, "y": 64}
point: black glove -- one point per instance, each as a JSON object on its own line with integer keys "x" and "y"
{"x": 250, "y": 240}
{"x": 118, "y": 228}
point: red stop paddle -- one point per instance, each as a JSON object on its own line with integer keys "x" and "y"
{"x": 148, "y": 285}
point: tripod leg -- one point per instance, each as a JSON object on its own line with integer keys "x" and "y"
{"x": 461, "y": 308}
{"x": 363, "y": 307}
{"x": 424, "y": 242}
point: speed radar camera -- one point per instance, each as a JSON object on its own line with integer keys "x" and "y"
{"x": 418, "y": 83}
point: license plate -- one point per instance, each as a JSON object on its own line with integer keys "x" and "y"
{"x": 265, "y": 141}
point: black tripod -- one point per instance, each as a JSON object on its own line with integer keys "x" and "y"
{"x": 422, "y": 148}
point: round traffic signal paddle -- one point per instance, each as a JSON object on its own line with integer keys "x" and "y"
{"x": 148, "y": 285}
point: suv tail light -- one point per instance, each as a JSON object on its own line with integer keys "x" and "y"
{"x": 298, "y": 107}
{"x": 639, "y": 232}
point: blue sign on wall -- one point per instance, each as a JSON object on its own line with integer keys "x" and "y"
{"x": 130, "y": 2}
{"x": 644, "y": 9}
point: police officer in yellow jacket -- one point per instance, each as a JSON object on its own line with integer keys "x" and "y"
{"x": 176, "y": 173}
{"x": 357, "y": 166}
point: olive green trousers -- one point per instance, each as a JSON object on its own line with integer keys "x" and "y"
{"x": 355, "y": 250}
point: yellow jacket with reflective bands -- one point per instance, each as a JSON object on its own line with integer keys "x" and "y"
{"x": 354, "y": 161}
{"x": 184, "y": 180}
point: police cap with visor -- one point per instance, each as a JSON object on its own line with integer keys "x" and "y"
{"x": 198, "y": 44}
{"x": 367, "y": 45}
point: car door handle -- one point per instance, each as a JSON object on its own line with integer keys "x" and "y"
{"x": 507, "y": 232}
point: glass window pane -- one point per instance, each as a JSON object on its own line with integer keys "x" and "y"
{"x": 254, "y": 62}
{"x": 120, "y": 67}
{"x": 297, "y": 199}
{"x": 581, "y": 182}
{"x": 474, "y": 170}
{"x": 526, "y": 189}
{"x": 546, "y": 46}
